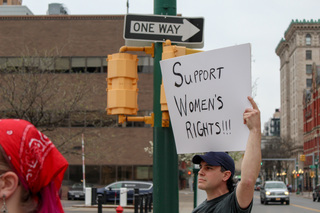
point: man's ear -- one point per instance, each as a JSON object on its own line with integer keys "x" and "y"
{"x": 9, "y": 182}
{"x": 226, "y": 175}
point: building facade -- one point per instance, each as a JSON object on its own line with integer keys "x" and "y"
{"x": 311, "y": 123}
{"x": 297, "y": 51}
{"x": 10, "y": 2}
{"x": 74, "y": 49}
{"x": 272, "y": 127}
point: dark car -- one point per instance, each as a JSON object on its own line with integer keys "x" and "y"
{"x": 112, "y": 191}
{"x": 274, "y": 191}
{"x": 316, "y": 193}
{"x": 76, "y": 191}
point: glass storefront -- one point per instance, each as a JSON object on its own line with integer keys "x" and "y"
{"x": 106, "y": 174}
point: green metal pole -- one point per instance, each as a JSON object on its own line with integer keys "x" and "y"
{"x": 195, "y": 187}
{"x": 297, "y": 184}
{"x": 165, "y": 158}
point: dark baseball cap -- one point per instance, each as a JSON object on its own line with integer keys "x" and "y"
{"x": 216, "y": 159}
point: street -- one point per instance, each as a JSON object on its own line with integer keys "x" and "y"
{"x": 298, "y": 204}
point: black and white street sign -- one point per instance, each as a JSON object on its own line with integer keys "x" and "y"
{"x": 159, "y": 28}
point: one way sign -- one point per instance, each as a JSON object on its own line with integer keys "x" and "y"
{"x": 159, "y": 28}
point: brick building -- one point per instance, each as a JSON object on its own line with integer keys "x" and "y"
{"x": 10, "y": 2}
{"x": 76, "y": 47}
{"x": 311, "y": 123}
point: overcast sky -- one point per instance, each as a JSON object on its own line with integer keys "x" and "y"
{"x": 227, "y": 22}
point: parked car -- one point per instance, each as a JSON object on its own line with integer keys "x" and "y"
{"x": 274, "y": 191}
{"x": 257, "y": 187}
{"x": 76, "y": 191}
{"x": 112, "y": 191}
{"x": 316, "y": 193}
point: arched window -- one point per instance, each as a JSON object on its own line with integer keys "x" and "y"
{"x": 308, "y": 39}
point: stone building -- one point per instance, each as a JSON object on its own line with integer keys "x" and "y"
{"x": 272, "y": 126}
{"x": 76, "y": 48}
{"x": 297, "y": 51}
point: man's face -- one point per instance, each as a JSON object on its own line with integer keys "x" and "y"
{"x": 210, "y": 177}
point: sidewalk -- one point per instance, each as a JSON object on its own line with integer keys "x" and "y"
{"x": 302, "y": 194}
{"x": 185, "y": 204}
{"x": 185, "y": 201}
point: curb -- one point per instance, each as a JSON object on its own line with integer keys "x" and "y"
{"x": 103, "y": 206}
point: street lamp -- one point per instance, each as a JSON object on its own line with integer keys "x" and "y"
{"x": 294, "y": 174}
{"x": 300, "y": 176}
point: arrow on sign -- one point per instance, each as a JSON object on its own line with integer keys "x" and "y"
{"x": 186, "y": 29}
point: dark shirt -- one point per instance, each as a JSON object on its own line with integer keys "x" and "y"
{"x": 226, "y": 203}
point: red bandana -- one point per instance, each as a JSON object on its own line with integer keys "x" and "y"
{"x": 33, "y": 156}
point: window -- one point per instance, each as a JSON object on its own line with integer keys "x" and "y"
{"x": 125, "y": 173}
{"x": 94, "y": 65}
{"x": 108, "y": 174}
{"x": 308, "y": 55}
{"x": 309, "y": 82}
{"x": 92, "y": 174}
{"x": 318, "y": 75}
{"x": 309, "y": 69}
{"x": 143, "y": 173}
{"x": 308, "y": 39}
{"x": 116, "y": 186}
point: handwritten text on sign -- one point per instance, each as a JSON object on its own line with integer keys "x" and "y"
{"x": 207, "y": 95}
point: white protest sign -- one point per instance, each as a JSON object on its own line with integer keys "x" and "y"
{"x": 206, "y": 95}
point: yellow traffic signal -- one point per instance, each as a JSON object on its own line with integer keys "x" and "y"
{"x": 312, "y": 175}
{"x": 168, "y": 51}
{"x": 302, "y": 158}
{"x": 122, "y": 88}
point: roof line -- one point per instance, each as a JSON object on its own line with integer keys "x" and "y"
{"x": 64, "y": 17}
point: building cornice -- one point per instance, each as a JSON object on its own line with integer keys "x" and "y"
{"x": 62, "y": 17}
{"x": 301, "y": 25}
{"x": 281, "y": 46}
{"x": 293, "y": 27}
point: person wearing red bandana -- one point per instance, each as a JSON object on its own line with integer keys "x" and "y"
{"x": 31, "y": 169}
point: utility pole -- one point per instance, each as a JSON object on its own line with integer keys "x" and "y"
{"x": 127, "y": 6}
{"x": 165, "y": 158}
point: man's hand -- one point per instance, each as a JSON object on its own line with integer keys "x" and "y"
{"x": 251, "y": 116}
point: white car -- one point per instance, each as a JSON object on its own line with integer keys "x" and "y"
{"x": 274, "y": 191}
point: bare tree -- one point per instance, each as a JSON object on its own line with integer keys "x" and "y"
{"x": 276, "y": 148}
{"x": 32, "y": 89}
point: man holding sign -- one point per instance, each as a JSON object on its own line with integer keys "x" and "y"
{"x": 206, "y": 95}
{"x": 217, "y": 170}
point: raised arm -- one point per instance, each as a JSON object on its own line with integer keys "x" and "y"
{"x": 250, "y": 166}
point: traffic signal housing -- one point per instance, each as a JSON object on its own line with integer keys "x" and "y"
{"x": 302, "y": 158}
{"x": 122, "y": 97}
{"x": 312, "y": 174}
{"x": 170, "y": 51}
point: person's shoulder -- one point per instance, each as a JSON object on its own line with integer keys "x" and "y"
{"x": 200, "y": 208}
